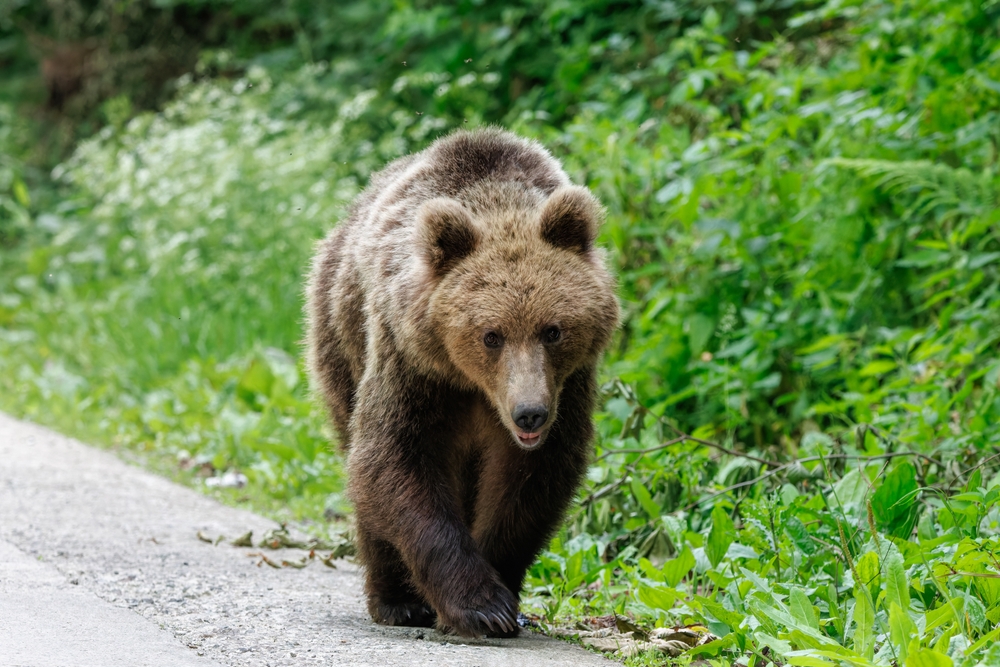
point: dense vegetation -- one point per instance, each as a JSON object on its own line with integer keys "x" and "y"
{"x": 798, "y": 440}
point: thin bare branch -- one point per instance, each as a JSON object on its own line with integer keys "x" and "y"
{"x": 870, "y": 457}
{"x": 776, "y": 470}
{"x": 980, "y": 464}
{"x": 751, "y": 482}
{"x": 665, "y": 445}
{"x": 731, "y": 452}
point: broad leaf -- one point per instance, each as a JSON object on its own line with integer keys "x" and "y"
{"x": 867, "y": 568}
{"x": 722, "y": 535}
{"x": 901, "y": 629}
{"x": 894, "y": 501}
{"x": 897, "y": 588}
{"x": 642, "y": 495}
{"x": 731, "y": 618}
{"x": 657, "y": 597}
{"x": 676, "y": 569}
{"x": 926, "y": 657}
{"x": 801, "y": 608}
{"x": 864, "y": 622}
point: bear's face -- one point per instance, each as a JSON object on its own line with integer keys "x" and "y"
{"x": 522, "y": 301}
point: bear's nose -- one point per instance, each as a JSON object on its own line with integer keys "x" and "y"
{"x": 530, "y": 417}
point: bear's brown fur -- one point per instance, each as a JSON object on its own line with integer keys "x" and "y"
{"x": 455, "y": 320}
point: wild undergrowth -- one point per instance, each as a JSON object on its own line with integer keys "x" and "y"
{"x": 797, "y": 445}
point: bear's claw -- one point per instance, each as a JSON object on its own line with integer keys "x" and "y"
{"x": 494, "y": 617}
{"x": 410, "y": 614}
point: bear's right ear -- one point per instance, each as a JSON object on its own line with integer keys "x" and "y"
{"x": 446, "y": 233}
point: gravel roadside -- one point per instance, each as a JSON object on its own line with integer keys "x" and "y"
{"x": 84, "y": 531}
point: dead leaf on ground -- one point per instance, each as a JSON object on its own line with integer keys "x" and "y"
{"x": 244, "y": 540}
{"x": 623, "y": 637}
{"x": 341, "y": 546}
{"x": 264, "y": 559}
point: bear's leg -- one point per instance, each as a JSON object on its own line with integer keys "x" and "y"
{"x": 523, "y": 494}
{"x": 400, "y": 464}
{"x": 392, "y": 599}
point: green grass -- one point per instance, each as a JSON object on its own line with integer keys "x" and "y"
{"x": 800, "y": 415}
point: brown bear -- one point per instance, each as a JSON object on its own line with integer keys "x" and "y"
{"x": 455, "y": 323}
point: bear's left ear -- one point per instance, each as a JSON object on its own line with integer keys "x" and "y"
{"x": 571, "y": 218}
{"x": 446, "y": 233}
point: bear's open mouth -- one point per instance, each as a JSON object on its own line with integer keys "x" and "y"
{"x": 528, "y": 439}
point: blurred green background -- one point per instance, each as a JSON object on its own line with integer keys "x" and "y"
{"x": 801, "y": 414}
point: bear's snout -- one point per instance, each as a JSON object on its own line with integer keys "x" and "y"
{"x": 530, "y": 417}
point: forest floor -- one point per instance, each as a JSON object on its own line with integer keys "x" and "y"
{"x": 104, "y": 564}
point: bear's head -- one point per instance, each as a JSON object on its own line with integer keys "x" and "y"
{"x": 520, "y": 297}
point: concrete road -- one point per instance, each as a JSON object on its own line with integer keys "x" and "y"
{"x": 100, "y": 566}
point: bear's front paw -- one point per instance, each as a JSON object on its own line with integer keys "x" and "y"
{"x": 489, "y": 611}
{"x": 410, "y": 614}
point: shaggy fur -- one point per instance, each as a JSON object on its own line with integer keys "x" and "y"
{"x": 462, "y": 293}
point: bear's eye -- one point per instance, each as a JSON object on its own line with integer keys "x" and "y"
{"x": 551, "y": 334}
{"x": 492, "y": 339}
